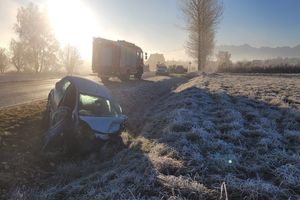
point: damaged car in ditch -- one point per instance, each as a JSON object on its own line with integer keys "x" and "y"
{"x": 81, "y": 115}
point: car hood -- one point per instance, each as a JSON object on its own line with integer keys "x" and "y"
{"x": 105, "y": 125}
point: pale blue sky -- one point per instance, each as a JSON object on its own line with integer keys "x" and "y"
{"x": 260, "y": 23}
{"x": 155, "y": 25}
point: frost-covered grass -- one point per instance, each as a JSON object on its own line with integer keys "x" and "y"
{"x": 225, "y": 128}
{"x": 239, "y": 130}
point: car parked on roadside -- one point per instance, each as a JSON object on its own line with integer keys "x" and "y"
{"x": 161, "y": 70}
{"x": 177, "y": 69}
{"x": 81, "y": 114}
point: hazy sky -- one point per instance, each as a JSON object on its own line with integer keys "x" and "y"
{"x": 156, "y": 25}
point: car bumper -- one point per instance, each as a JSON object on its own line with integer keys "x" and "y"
{"x": 106, "y": 137}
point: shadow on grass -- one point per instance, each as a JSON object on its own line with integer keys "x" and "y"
{"x": 250, "y": 145}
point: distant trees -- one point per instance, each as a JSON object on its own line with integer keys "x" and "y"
{"x": 223, "y": 59}
{"x": 36, "y": 49}
{"x": 276, "y": 65}
{"x": 3, "y": 60}
{"x": 36, "y": 46}
{"x": 18, "y": 58}
{"x": 202, "y": 17}
{"x": 70, "y": 58}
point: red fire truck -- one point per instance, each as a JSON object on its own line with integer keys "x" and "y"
{"x": 117, "y": 59}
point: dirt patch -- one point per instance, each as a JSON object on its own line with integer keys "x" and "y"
{"x": 19, "y": 138}
{"x": 14, "y": 117}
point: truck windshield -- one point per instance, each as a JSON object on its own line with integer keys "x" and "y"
{"x": 97, "y": 107}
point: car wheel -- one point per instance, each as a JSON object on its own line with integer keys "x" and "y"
{"x": 111, "y": 147}
{"x": 85, "y": 141}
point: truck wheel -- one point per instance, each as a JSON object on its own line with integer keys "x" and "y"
{"x": 125, "y": 77}
{"x": 104, "y": 79}
{"x": 139, "y": 73}
{"x": 138, "y": 76}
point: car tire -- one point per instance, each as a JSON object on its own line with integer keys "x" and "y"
{"x": 111, "y": 147}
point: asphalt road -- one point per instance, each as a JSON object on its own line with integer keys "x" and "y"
{"x": 20, "y": 92}
{"x": 14, "y": 93}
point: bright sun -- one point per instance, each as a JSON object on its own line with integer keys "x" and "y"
{"x": 73, "y": 23}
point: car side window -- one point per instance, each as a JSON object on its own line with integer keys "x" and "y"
{"x": 61, "y": 88}
{"x": 65, "y": 86}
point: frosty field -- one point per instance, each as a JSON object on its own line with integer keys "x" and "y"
{"x": 239, "y": 131}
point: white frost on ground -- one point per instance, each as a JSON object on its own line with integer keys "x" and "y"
{"x": 224, "y": 133}
{"x": 241, "y": 130}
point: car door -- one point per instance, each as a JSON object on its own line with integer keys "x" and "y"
{"x": 60, "y": 120}
{"x": 61, "y": 117}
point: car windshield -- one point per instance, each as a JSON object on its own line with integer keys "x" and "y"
{"x": 97, "y": 106}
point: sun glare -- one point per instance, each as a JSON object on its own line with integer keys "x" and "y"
{"x": 73, "y": 23}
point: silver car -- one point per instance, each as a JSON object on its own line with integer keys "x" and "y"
{"x": 82, "y": 114}
{"x": 161, "y": 70}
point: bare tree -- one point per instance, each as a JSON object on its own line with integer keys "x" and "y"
{"x": 71, "y": 58}
{"x": 223, "y": 59}
{"x": 18, "y": 58}
{"x": 3, "y": 60}
{"x": 202, "y": 17}
{"x": 36, "y": 37}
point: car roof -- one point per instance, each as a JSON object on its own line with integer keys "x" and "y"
{"x": 89, "y": 87}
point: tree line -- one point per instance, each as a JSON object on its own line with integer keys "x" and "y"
{"x": 276, "y": 65}
{"x": 35, "y": 49}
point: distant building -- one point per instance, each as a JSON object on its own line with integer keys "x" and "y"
{"x": 155, "y": 59}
